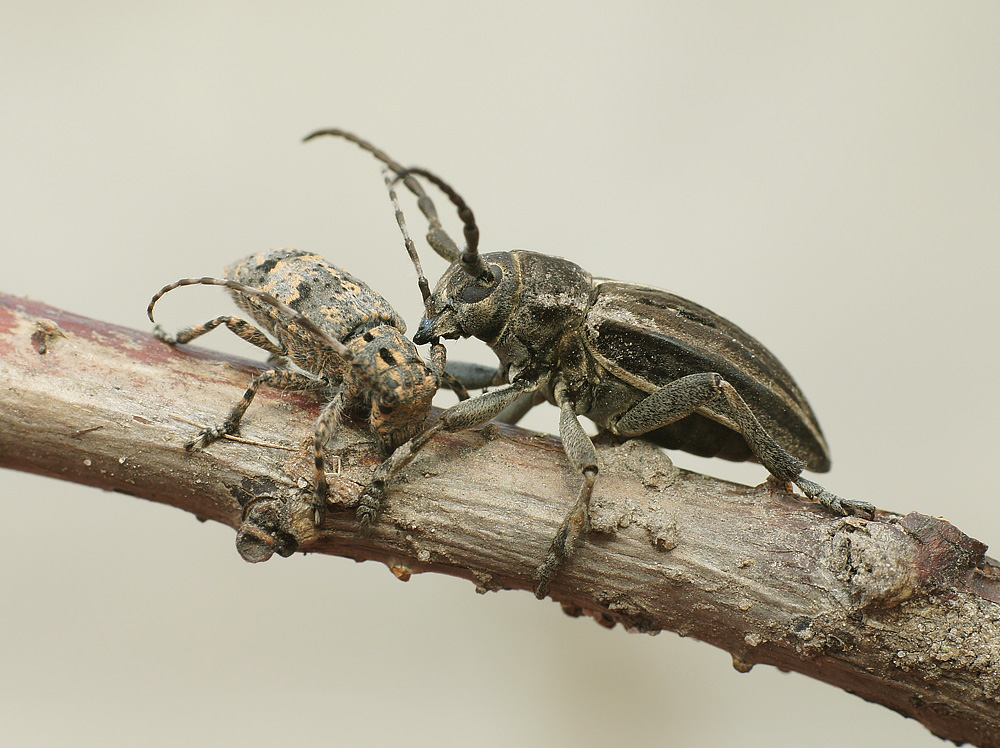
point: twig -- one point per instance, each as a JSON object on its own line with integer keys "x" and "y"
{"x": 902, "y": 611}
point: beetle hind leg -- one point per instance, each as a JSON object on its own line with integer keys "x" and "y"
{"x": 684, "y": 396}
{"x": 328, "y": 420}
{"x": 580, "y": 450}
{"x": 240, "y": 327}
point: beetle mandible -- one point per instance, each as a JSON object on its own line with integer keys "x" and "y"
{"x": 344, "y": 339}
{"x": 637, "y": 361}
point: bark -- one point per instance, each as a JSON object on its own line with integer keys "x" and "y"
{"x": 903, "y": 611}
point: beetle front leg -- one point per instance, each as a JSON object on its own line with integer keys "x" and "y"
{"x": 477, "y": 377}
{"x": 684, "y": 396}
{"x": 474, "y": 376}
{"x": 580, "y": 450}
{"x": 459, "y": 377}
{"x": 465, "y": 415}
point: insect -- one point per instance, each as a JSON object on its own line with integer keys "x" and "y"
{"x": 637, "y": 361}
{"x": 344, "y": 340}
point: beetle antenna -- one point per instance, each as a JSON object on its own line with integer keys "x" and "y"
{"x": 437, "y": 237}
{"x": 471, "y": 260}
{"x": 411, "y": 250}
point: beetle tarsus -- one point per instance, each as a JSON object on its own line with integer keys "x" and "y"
{"x": 369, "y": 508}
{"x": 831, "y": 502}
{"x": 210, "y": 435}
{"x": 574, "y": 526}
{"x": 318, "y": 498}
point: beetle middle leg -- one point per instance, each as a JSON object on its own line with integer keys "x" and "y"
{"x": 277, "y": 378}
{"x": 684, "y": 396}
{"x": 326, "y": 424}
{"x": 580, "y": 450}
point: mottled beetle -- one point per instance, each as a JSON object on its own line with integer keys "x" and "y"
{"x": 345, "y": 339}
{"x": 638, "y": 361}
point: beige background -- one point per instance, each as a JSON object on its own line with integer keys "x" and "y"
{"x": 826, "y": 175}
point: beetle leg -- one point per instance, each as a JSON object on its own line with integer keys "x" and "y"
{"x": 239, "y": 326}
{"x": 520, "y": 407}
{"x": 460, "y": 377}
{"x": 464, "y": 415}
{"x": 780, "y": 463}
{"x": 670, "y": 403}
{"x": 580, "y": 450}
{"x": 327, "y": 422}
{"x": 279, "y": 378}
{"x": 475, "y": 376}
{"x": 684, "y": 396}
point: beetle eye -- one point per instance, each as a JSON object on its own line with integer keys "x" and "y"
{"x": 475, "y": 292}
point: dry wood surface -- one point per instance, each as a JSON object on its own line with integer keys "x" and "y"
{"x": 903, "y": 611}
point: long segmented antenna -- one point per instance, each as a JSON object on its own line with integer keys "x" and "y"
{"x": 339, "y": 348}
{"x": 437, "y": 237}
{"x": 471, "y": 260}
{"x": 411, "y": 250}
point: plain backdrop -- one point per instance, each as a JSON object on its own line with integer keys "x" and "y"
{"x": 827, "y": 175}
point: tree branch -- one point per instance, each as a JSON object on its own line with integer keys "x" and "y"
{"x": 902, "y": 611}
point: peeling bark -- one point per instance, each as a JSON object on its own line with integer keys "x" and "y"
{"x": 903, "y": 611}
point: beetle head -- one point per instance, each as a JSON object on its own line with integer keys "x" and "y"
{"x": 399, "y": 384}
{"x": 466, "y": 306}
{"x": 473, "y": 296}
{"x": 396, "y": 420}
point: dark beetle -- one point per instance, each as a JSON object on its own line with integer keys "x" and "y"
{"x": 638, "y": 361}
{"x": 614, "y": 343}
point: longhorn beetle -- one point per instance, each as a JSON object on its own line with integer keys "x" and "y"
{"x": 638, "y": 361}
{"x": 344, "y": 338}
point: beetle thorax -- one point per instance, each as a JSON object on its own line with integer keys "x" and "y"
{"x": 552, "y": 298}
